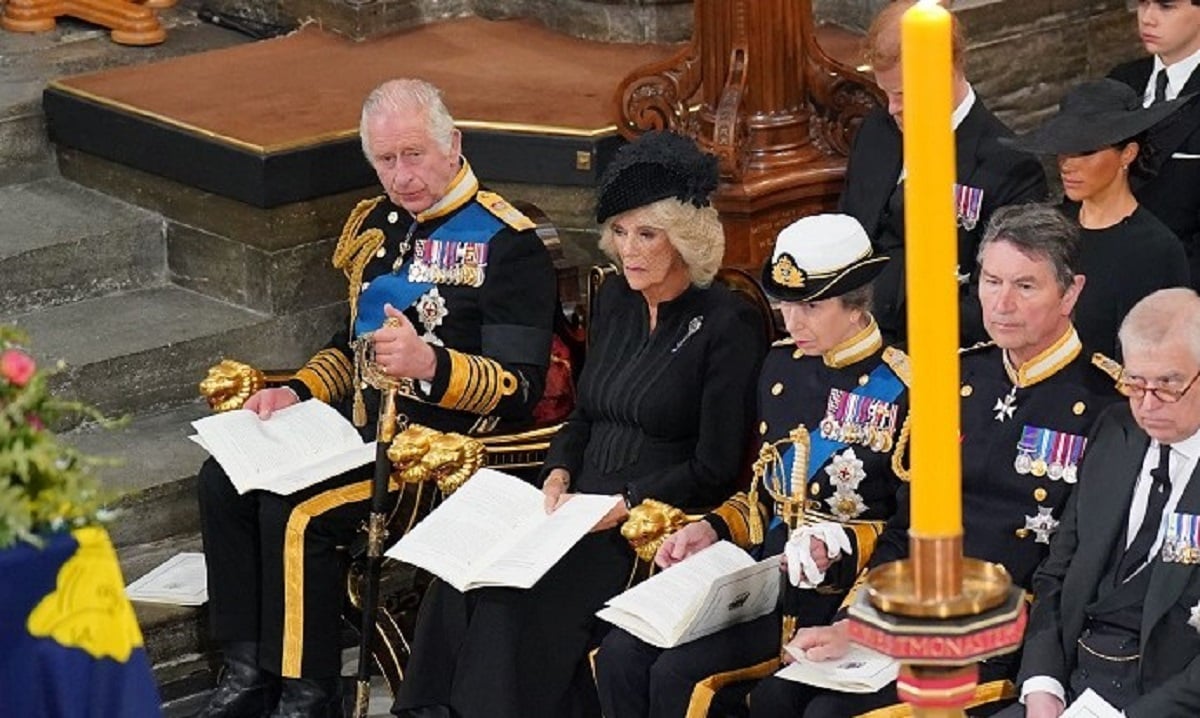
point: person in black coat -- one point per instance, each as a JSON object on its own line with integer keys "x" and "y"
{"x": 989, "y": 176}
{"x": 665, "y": 405}
{"x": 471, "y": 290}
{"x": 1117, "y": 601}
{"x": 1170, "y": 32}
{"x": 833, "y": 377}
{"x": 1028, "y": 398}
{"x": 1098, "y": 137}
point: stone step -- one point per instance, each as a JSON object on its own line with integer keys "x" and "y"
{"x": 138, "y": 351}
{"x": 153, "y": 466}
{"x": 64, "y": 243}
{"x": 174, "y": 636}
{"x": 29, "y": 61}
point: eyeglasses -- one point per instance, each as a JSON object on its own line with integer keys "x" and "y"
{"x": 1165, "y": 394}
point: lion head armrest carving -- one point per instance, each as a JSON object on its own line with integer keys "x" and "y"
{"x": 229, "y": 384}
{"x": 650, "y": 523}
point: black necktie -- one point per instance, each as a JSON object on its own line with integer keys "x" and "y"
{"x": 1160, "y": 87}
{"x": 1138, "y": 552}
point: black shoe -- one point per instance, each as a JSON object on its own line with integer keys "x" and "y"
{"x": 309, "y": 698}
{"x": 243, "y": 690}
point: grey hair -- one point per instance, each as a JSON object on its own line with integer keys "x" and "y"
{"x": 1158, "y": 317}
{"x": 695, "y": 232}
{"x": 1038, "y": 231}
{"x": 859, "y": 298}
{"x": 409, "y": 95}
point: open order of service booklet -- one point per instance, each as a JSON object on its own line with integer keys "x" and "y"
{"x": 861, "y": 670}
{"x": 494, "y": 531}
{"x": 717, "y": 587}
{"x": 297, "y": 447}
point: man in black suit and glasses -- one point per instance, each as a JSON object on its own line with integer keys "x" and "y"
{"x": 1117, "y": 605}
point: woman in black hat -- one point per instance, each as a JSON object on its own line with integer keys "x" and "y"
{"x": 1098, "y": 138}
{"x": 834, "y": 378}
{"x": 664, "y": 409}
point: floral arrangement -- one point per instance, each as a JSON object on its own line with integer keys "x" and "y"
{"x": 45, "y": 486}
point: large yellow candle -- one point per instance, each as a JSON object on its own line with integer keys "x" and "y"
{"x": 931, "y": 250}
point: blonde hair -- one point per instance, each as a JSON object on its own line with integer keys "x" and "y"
{"x": 409, "y": 95}
{"x": 881, "y": 50}
{"x": 695, "y": 232}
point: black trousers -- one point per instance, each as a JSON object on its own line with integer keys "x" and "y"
{"x": 637, "y": 680}
{"x": 778, "y": 698}
{"x": 276, "y": 567}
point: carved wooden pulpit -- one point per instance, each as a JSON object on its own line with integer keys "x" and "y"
{"x": 754, "y": 88}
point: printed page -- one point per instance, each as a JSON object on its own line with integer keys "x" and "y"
{"x": 736, "y": 598}
{"x": 297, "y": 447}
{"x": 475, "y": 525}
{"x": 861, "y": 670}
{"x": 658, "y": 609}
{"x": 180, "y": 580}
{"x": 528, "y": 559}
{"x": 1091, "y": 705}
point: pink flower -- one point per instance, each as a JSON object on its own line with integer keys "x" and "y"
{"x": 34, "y": 421}
{"x": 17, "y": 367}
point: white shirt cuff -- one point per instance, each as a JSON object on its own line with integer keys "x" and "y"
{"x": 1043, "y": 684}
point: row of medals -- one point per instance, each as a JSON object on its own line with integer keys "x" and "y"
{"x": 1026, "y": 464}
{"x": 878, "y": 439}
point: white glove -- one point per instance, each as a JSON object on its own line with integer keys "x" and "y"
{"x": 802, "y": 569}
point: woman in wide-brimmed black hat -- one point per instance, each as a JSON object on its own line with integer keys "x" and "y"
{"x": 1098, "y": 136}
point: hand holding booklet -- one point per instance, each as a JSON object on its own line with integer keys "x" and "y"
{"x": 861, "y": 670}
{"x": 494, "y": 531}
{"x": 712, "y": 589}
{"x": 297, "y": 447}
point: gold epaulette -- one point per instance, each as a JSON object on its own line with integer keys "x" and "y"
{"x": 1108, "y": 365}
{"x": 975, "y": 347}
{"x": 355, "y": 250}
{"x": 477, "y": 384}
{"x": 898, "y": 362}
{"x": 328, "y": 375}
{"x": 507, "y": 213}
{"x": 788, "y": 342}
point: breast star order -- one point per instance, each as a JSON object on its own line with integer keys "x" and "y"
{"x": 1005, "y": 407}
{"x": 1042, "y": 525}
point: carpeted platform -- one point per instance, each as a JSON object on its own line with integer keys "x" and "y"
{"x": 276, "y": 121}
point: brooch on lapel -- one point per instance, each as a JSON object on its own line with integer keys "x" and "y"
{"x": 693, "y": 327}
{"x": 1194, "y": 621}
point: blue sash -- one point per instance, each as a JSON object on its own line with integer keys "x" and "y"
{"x": 472, "y": 223}
{"x": 882, "y": 384}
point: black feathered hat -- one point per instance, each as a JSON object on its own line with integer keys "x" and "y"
{"x": 657, "y": 165}
{"x": 1094, "y": 115}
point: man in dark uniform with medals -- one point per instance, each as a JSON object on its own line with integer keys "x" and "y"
{"x": 1117, "y": 602}
{"x": 988, "y": 175}
{"x": 1029, "y": 398}
{"x": 831, "y": 403}
{"x": 467, "y": 291}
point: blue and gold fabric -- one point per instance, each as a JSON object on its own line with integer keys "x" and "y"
{"x": 69, "y": 641}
